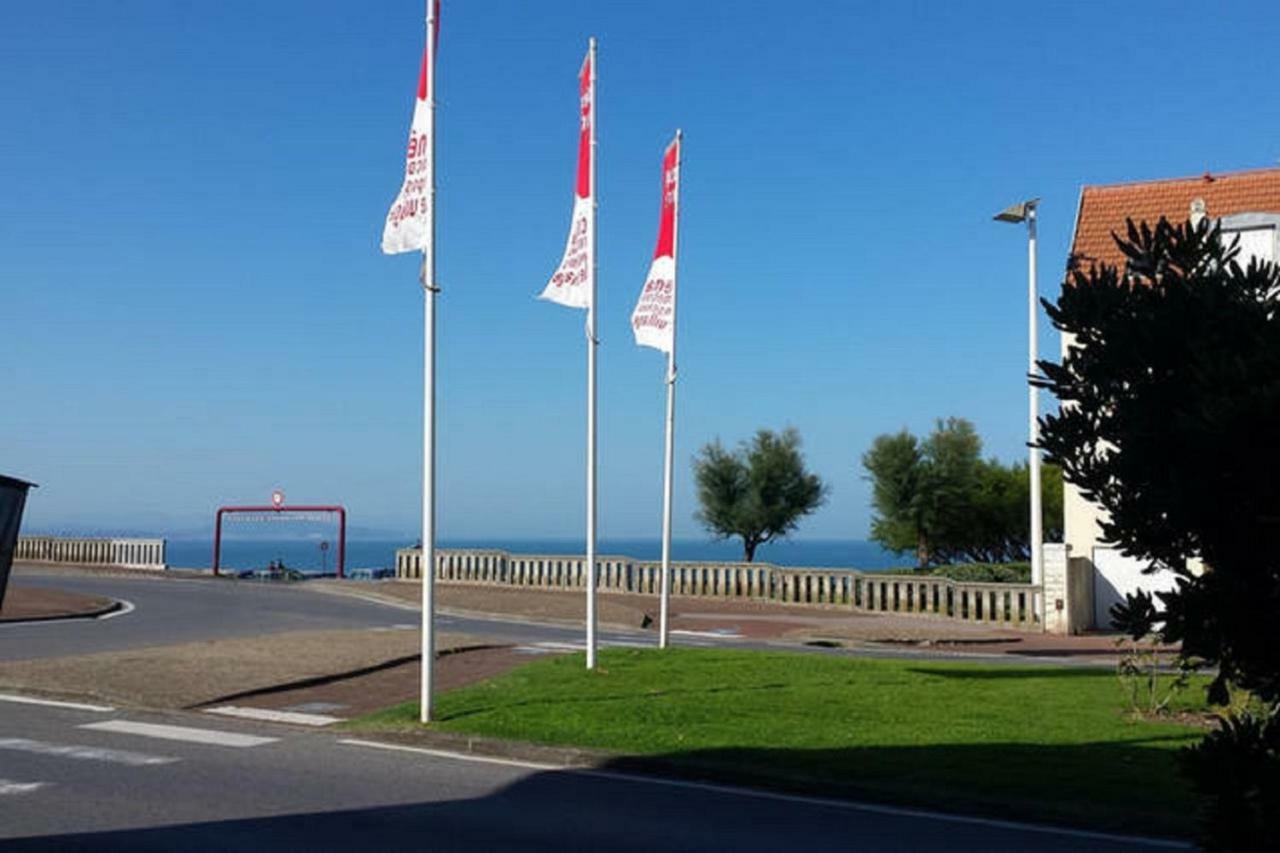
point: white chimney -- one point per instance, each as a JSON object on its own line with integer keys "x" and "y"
{"x": 1198, "y": 212}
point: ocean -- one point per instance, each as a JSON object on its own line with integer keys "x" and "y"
{"x": 306, "y": 554}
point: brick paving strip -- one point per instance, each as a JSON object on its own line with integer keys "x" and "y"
{"x": 30, "y": 604}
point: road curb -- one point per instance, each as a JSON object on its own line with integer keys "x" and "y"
{"x": 96, "y": 613}
{"x": 348, "y": 675}
{"x": 485, "y": 747}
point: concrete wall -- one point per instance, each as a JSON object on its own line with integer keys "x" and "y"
{"x": 1080, "y": 518}
{"x": 1068, "y": 590}
{"x": 127, "y": 553}
{"x": 1080, "y": 522}
{"x": 1080, "y": 595}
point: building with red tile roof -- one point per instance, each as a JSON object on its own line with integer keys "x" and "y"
{"x": 1247, "y": 205}
{"x": 1103, "y": 209}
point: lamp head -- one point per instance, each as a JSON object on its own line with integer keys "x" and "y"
{"x": 1017, "y": 212}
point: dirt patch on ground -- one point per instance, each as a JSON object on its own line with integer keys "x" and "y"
{"x": 349, "y": 697}
{"x": 193, "y": 674}
{"x": 32, "y": 603}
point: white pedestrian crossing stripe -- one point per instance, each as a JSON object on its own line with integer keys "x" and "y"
{"x": 83, "y": 753}
{"x": 717, "y": 634}
{"x": 53, "y": 703}
{"x": 9, "y": 787}
{"x": 550, "y": 647}
{"x": 183, "y": 733}
{"x": 270, "y": 715}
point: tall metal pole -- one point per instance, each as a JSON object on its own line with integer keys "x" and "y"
{"x": 430, "y": 289}
{"x": 668, "y": 459}
{"x": 1033, "y": 411}
{"x": 592, "y": 343}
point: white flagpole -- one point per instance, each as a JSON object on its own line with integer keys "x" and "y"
{"x": 1037, "y": 533}
{"x": 430, "y": 289}
{"x": 592, "y": 343}
{"x": 668, "y": 460}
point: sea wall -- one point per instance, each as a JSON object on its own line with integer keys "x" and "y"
{"x": 1004, "y": 604}
{"x": 125, "y": 553}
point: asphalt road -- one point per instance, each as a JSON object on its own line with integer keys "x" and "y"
{"x": 168, "y": 610}
{"x": 75, "y": 780}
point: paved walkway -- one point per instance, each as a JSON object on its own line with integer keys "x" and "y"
{"x": 748, "y": 619}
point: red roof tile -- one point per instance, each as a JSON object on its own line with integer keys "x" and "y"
{"x": 1103, "y": 209}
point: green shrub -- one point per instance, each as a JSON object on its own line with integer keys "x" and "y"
{"x": 985, "y": 572}
{"x": 1236, "y": 772}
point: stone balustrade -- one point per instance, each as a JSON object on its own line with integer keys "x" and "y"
{"x": 126, "y": 553}
{"x": 1003, "y": 604}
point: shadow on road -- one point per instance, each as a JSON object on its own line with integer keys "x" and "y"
{"x": 610, "y": 810}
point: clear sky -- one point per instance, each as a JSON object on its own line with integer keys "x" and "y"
{"x": 195, "y": 309}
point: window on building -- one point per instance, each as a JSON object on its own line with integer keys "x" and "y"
{"x": 1258, "y": 234}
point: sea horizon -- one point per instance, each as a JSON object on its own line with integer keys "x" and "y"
{"x": 306, "y": 555}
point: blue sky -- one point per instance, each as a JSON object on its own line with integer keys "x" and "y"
{"x": 196, "y": 311}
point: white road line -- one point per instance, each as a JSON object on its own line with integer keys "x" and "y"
{"x": 372, "y": 599}
{"x": 892, "y": 810}
{"x": 183, "y": 733}
{"x": 714, "y": 635}
{"x": 553, "y": 646}
{"x": 84, "y": 753}
{"x": 75, "y": 706}
{"x": 126, "y": 607}
{"x": 271, "y": 716}
{"x": 9, "y": 787}
{"x": 847, "y": 805}
{"x": 562, "y": 647}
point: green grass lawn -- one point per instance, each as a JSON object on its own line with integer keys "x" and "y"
{"x": 1051, "y": 743}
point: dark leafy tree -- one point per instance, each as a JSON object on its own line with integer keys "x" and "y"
{"x": 759, "y": 491}
{"x": 952, "y": 452}
{"x": 895, "y": 465}
{"x": 939, "y": 500}
{"x": 1170, "y": 421}
{"x": 998, "y": 530}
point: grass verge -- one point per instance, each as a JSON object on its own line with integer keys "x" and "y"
{"x": 1042, "y": 743}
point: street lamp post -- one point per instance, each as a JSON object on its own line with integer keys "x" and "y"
{"x": 1026, "y": 212}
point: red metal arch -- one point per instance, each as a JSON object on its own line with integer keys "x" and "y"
{"x": 281, "y": 508}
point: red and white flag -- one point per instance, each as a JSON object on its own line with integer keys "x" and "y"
{"x": 654, "y": 320}
{"x": 408, "y": 226}
{"x": 571, "y": 284}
